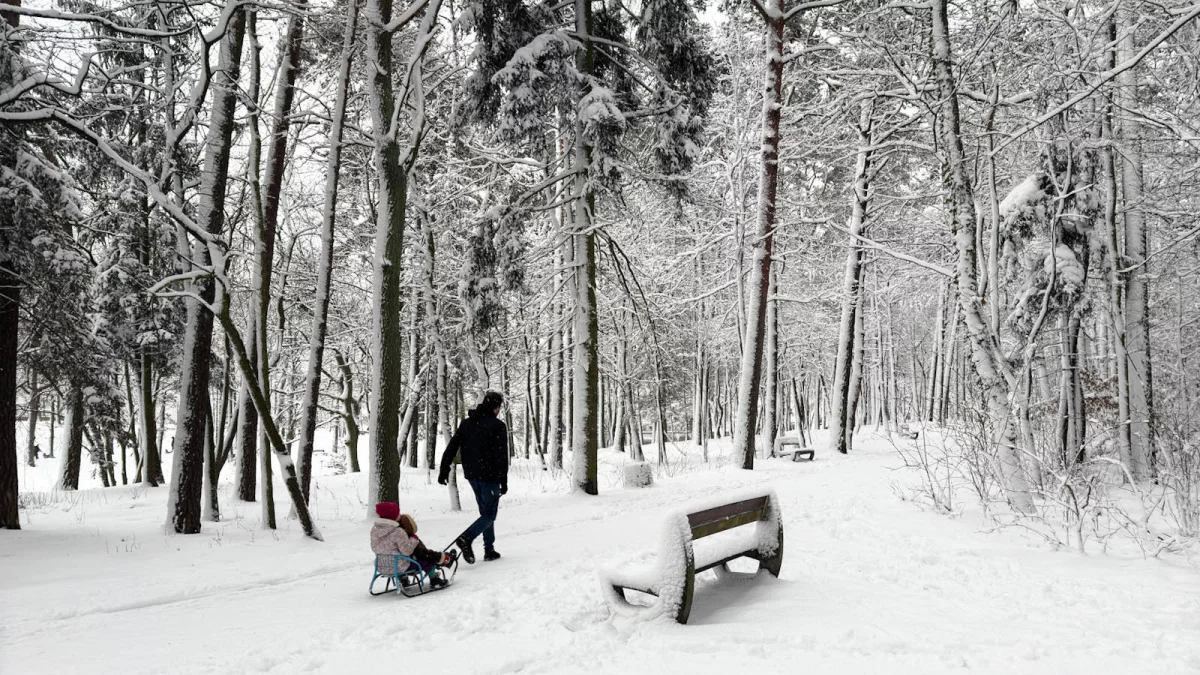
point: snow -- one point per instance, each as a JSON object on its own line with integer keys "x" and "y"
{"x": 870, "y": 583}
{"x": 638, "y": 474}
{"x": 1023, "y": 197}
{"x": 1070, "y": 271}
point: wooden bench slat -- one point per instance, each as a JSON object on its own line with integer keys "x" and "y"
{"x": 744, "y": 554}
{"x": 728, "y": 523}
{"x": 719, "y": 512}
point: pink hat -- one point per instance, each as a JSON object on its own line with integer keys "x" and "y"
{"x": 389, "y": 510}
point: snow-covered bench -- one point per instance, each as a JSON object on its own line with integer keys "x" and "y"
{"x": 800, "y": 452}
{"x": 673, "y": 579}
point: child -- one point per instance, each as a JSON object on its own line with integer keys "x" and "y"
{"x": 389, "y": 536}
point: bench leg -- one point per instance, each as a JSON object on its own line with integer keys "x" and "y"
{"x": 689, "y": 589}
{"x": 773, "y": 563}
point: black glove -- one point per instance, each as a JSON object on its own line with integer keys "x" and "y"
{"x": 504, "y": 488}
{"x": 443, "y": 479}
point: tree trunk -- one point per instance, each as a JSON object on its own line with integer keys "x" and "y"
{"x": 554, "y": 442}
{"x": 756, "y": 308}
{"x": 414, "y": 368}
{"x": 620, "y": 413}
{"x": 109, "y": 464}
{"x": 585, "y": 439}
{"x": 771, "y": 404}
{"x": 841, "y": 413}
{"x": 10, "y": 302}
{"x": 34, "y": 396}
{"x": 1115, "y": 288}
{"x": 993, "y": 261}
{"x": 187, "y": 477}
{"x": 147, "y": 409}
{"x": 320, "y": 321}
{"x": 939, "y": 357}
{"x": 211, "y": 511}
{"x": 72, "y": 455}
{"x": 431, "y": 429}
{"x": 855, "y": 381}
{"x": 248, "y": 434}
{"x": 54, "y": 410}
{"x": 348, "y": 412}
{"x": 386, "y": 387}
{"x": 264, "y": 249}
{"x": 96, "y": 453}
{"x": 985, "y": 348}
{"x": 391, "y": 171}
{"x": 1137, "y": 286}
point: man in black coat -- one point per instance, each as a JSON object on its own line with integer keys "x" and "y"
{"x": 483, "y": 440}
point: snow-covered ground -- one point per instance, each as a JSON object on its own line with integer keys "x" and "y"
{"x": 870, "y": 584}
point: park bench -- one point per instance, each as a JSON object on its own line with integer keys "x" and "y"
{"x": 800, "y": 452}
{"x": 673, "y": 580}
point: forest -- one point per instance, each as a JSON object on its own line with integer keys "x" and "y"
{"x": 231, "y": 230}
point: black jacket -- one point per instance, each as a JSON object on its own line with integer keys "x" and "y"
{"x": 483, "y": 440}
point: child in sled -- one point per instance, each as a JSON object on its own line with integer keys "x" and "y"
{"x": 396, "y": 534}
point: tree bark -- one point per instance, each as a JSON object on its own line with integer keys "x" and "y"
{"x": 757, "y": 287}
{"x": 391, "y": 170}
{"x": 1137, "y": 287}
{"x": 585, "y": 436}
{"x": 147, "y": 408}
{"x": 320, "y": 321}
{"x": 211, "y": 511}
{"x": 985, "y": 348}
{"x": 855, "y": 380}
{"x": 187, "y": 477}
{"x": 386, "y": 387}
{"x": 10, "y": 302}
{"x": 1114, "y": 286}
{"x": 414, "y": 370}
{"x": 555, "y": 423}
{"x": 771, "y": 403}
{"x": 34, "y": 394}
{"x": 72, "y": 455}
{"x": 348, "y": 410}
{"x": 840, "y": 433}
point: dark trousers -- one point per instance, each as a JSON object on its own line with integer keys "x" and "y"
{"x": 427, "y": 559}
{"x": 487, "y": 495}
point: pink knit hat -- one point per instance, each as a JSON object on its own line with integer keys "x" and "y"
{"x": 389, "y": 510}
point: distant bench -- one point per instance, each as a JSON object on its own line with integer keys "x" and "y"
{"x": 674, "y": 581}
{"x": 800, "y": 452}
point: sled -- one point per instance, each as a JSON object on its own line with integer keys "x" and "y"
{"x": 403, "y": 575}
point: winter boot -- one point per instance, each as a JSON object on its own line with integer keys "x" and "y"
{"x": 490, "y": 554}
{"x": 464, "y": 549}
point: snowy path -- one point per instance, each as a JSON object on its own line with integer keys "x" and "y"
{"x": 869, "y": 584}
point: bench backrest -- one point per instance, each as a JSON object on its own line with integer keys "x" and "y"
{"x": 727, "y": 517}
